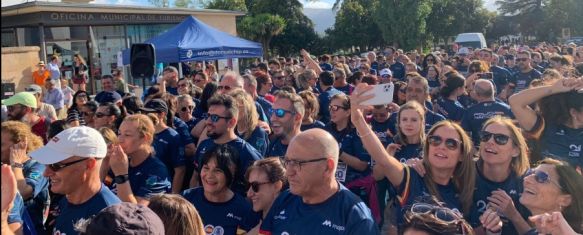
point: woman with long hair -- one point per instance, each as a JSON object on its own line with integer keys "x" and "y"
{"x": 448, "y": 104}
{"x": 312, "y": 107}
{"x": 447, "y": 156}
{"x": 215, "y": 200}
{"x": 80, "y": 71}
{"x": 266, "y": 179}
{"x": 178, "y": 215}
{"x": 80, "y": 98}
{"x": 248, "y": 122}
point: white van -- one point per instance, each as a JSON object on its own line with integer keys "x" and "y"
{"x": 473, "y": 40}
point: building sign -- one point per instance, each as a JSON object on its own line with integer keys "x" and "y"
{"x": 96, "y": 18}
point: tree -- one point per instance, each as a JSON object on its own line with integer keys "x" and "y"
{"x": 232, "y": 5}
{"x": 403, "y": 22}
{"x": 355, "y": 26}
{"x": 185, "y": 3}
{"x": 262, "y": 27}
{"x": 527, "y": 13}
{"x": 160, "y": 3}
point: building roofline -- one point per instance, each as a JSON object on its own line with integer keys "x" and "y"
{"x": 38, "y": 6}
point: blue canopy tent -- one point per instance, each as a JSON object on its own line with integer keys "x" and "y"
{"x": 195, "y": 40}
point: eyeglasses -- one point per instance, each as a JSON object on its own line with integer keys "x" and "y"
{"x": 59, "y": 166}
{"x": 225, "y": 88}
{"x": 255, "y": 186}
{"x": 100, "y": 115}
{"x": 441, "y": 213}
{"x": 11, "y": 108}
{"x": 521, "y": 59}
{"x": 543, "y": 178}
{"x": 416, "y": 90}
{"x": 500, "y": 139}
{"x": 86, "y": 114}
{"x": 281, "y": 112}
{"x": 214, "y": 117}
{"x": 297, "y": 164}
{"x": 336, "y": 107}
{"x": 186, "y": 108}
{"x": 403, "y": 90}
{"x": 182, "y": 85}
{"x": 429, "y": 60}
{"x": 451, "y": 144}
{"x": 279, "y": 77}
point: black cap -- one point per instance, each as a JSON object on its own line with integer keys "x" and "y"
{"x": 126, "y": 218}
{"x": 109, "y": 96}
{"x": 155, "y": 106}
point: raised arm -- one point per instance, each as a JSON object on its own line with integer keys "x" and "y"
{"x": 520, "y": 102}
{"x": 390, "y": 166}
{"x": 311, "y": 63}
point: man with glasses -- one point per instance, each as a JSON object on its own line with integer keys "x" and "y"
{"x": 525, "y": 75}
{"x": 315, "y": 201}
{"x": 278, "y": 81}
{"x": 486, "y": 108}
{"x": 73, "y": 159}
{"x": 286, "y": 120}
{"x": 221, "y": 121}
{"x": 22, "y": 107}
{"x": 500, "y": 75}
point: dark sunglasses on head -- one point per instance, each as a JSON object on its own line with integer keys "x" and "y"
{"x": 281, "y": 112}
{"x": 255, "y": 186}
{"x": 543, "y": 178}
{"x": 224, "y": 87}
{"x": 443, "y": 214}
{"x": 336, "y": 107}
{"x": 499, "y": 139}
{"x": 451, "y": 144}
{"x": 214, "y": 117}
{"x": 59, "y": 166}
{"x": 186, "y": 108}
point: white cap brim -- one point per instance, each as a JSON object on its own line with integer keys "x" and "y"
{"x": 47, "y": 155}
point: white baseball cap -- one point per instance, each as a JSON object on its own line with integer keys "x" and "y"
{"x": 79, "y": 141}
{"x": 385, "y": 72}
{"x": 463, "y": 51}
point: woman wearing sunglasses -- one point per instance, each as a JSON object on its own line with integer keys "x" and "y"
{"x": 222, "y": 210}
{"x": 248, "y": 120}
{"x": 87, "y": 112}
{"x": 554, "y": 186}
{"x": 501, "y": 167}
{"x": 266, "y": 179}
{"x": 447, "y": 156}
{"x": 80, "y": 98}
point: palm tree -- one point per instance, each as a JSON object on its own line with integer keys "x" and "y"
{"x": 262, "y": 27}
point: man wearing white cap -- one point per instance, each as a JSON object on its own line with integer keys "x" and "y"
{"x": 72, "y": 159}
{"x": 386, "y": 76}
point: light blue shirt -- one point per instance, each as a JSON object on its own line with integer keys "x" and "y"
{"x": 55, "y": 71}
{"x": 55, "y": 98}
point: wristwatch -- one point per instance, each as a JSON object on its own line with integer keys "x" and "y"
{"x": 17, "y": 165}
{"x": 120, "y": 179}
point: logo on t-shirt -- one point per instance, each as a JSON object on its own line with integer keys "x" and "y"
{"x": 574, "y": 150}
{"x": 281, "y": 215}
{"x": 209, "y": 229}
{"x": 230, "y": 215}
{"x": 329, "y": 223}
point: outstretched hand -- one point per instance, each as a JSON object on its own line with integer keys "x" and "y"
{"x": 8, "y": 188}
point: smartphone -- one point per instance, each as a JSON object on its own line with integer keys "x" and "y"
{"x": 383, "y": 94}
{"x": 487, "y": 75}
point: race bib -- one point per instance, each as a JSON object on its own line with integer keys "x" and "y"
{"x": 341, "y": 171}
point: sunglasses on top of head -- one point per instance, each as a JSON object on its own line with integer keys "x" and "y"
{"x": 451, "y": 144}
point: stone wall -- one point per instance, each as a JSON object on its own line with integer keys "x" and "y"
{"x": 18, "y": 63}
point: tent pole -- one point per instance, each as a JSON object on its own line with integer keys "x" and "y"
{"x": 179, "y": 70}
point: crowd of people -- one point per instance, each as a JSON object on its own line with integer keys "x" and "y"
{"x": 483, "y": 141}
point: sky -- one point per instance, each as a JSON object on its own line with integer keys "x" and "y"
{"x": 321, "y": 4}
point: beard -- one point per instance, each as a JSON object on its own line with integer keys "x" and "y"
{"x": 213, "y": 135}
{"x": 17, "y": 116}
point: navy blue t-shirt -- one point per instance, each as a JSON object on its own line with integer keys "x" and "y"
{"x": 147, "y": 179}
{"x": 247, "y": 155}
{"x": 183, "y": 129}
{"x": 276, "y": 148}
{"x": 346, "y": 89}
{"x": 352, "y": 145}
{"x": 338, "y": 135}
{"x": 413, "y": 187}
{"x": 326, "y": 66}
{"x": 430, "y": 119}
{"x": 451, "y": 109}
{"x": 324, "y": 101}
{"x": 315, "y": 124}
{"x": 236, "y": 216}
{"x": 342, "y": 213}
{"x": 563, "y": 143}
{"x": 38, "y": 204}
{"x": 169, "y": 149}
{"x": 522, "y": 80}
{"x": 478, "y": 114}
{"x": 380, "y": 130}
{"x": 258, "y": 139}
{"x": 262, "y": 114}
{"x": 192, "y": 123}
{"x": 408, "y": 151}
{"x": 398, "y": 70}
{"x": 484, "y": 188}
{"x": 265, "y": 105}
{"x": 172, "y": 90}
{"x": 466, "y": 101}
{"x": 69, "y": 214}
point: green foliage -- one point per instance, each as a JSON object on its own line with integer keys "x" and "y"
{"x": 160, "y": 3}
{"x": 355, "y": 26}
{"x": 232, "y": 5}
{"x": 262, "y": 28}
{"x": 403, "y": 22}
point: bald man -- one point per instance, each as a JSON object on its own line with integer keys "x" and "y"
{"x": 315, "y": 201}
{"x": 486, "y": 108}
{"x": 231, "y": 81}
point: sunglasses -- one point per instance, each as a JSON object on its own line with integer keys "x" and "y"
{"x": 281, "y": 112}
{"x": 279, "y": 77}
{"x": 543, "y": 178}
{"x": 59, "y": 166}
{"x": 100, "y": 115}
{"x": 451, "y": 144}
{"x": 13, "y": 107}
{"x": 443, "y": 214}
{"x": 86, "y": 114}
{"x": 403, "y": 90}
{"x": 499, "y": 139}
{"x": 182, "y": 85}
{"x": 225, "y": 88}
{"x": 186, "y": 108}
{"x": 214, "y": 117}
{"x": 521, "y": 59}
{"x": 255, "y": 186}
{"x": 336, "y": 107}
